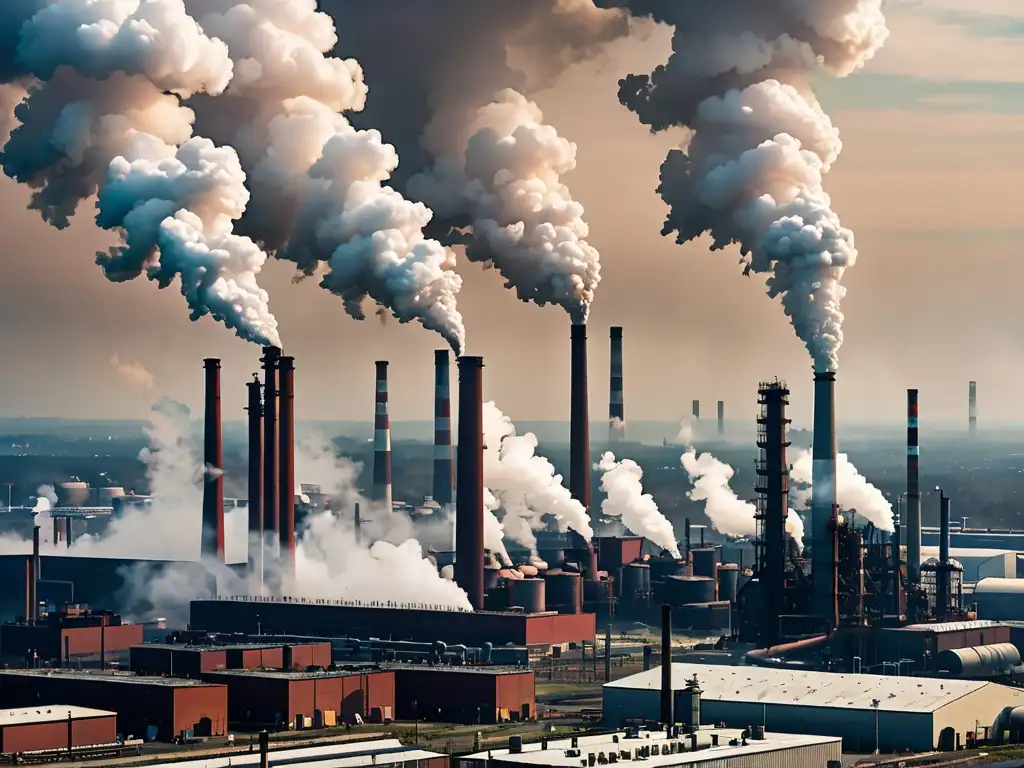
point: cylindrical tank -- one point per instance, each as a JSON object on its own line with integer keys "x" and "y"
{"x": 564, "y": 592}
{"x": 72, "y": 494}
{"x": 683, "y": 590}
{"x": 105, "y": 496}
{"x": 490, "y": 578}
{"x": 634, "y": 577}
{"x": 704, "y": 561}
{"x": 663, "y": 567}
{"x": 728, "y": 581}
{"x": 979, "y": 661}
{"x": 528, "y": 594}
{"x": 999, "y": 599}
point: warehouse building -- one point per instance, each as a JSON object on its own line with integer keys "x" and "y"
{"x": 911, "y": 713}
{"x": 194, "y": 660}
{"x": 56, "y": 727}
{"x": 469, "y": 695}
{"x": 717, "y": 747}
{"x": 915, "y": 647}
{"x": 152, "y": 708}
{"x": 259, "y": 697}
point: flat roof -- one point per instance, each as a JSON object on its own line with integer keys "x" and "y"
{"x": 201, "y": 647}
{"x": 765, "y": 685}
{"x": 355, "y": 668}
{"x": 339, "y": 755}
{"x": 556, "y": 752}
{"x": 950, "y": 626}
{"x": 115, "y": 677}
{"x": 49, "y": 714}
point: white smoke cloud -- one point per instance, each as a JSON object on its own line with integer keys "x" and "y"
{"x": 524, "y": 484}
{"x": 622, "y": 481}
{"x": 759, "y": 143}
{"x": 133, "y": 372}
{"x": 728, "y": 513}
{"x": 853, "y": 491}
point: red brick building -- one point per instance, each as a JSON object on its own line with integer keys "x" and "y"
{"x": 470, "y": 695}
{"x": 55, "y": 727}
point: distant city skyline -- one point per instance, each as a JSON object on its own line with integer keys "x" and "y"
{"x": 928, "y": 179}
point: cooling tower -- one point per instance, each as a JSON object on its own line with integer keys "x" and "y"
{"x": 382, "y": 440}
{"x": 270, "y": 468}
{"x": 255, "y": 415}
{"x": 616, "y": 404}
{"x": 824, "y": 510}
{"x": 972, "y": 406}
{"x": 913, "y": 493}
{"x": 213, "y": 473}
{"x": 286, "y": 463}
{"x": 469, "y": 496}
{"x": 444, "y": 456}
{"x": 579, "y": 432}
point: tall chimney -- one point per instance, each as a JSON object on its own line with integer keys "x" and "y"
{"x": 913, "y": 493}
{"x": 28, "y": 589}
{"x": 942, "y": 581}
{"x": 972, "y": 406}
{"x": 721, "y": 418}
{"x": 469, "y": 496}
{"x": 36, "y": 564}
{"x": 896, "y": 559}
{"x": 616, "y": 404}
{"x": 696, "y": 410}
{"x": 382, "y": 439}
{"x": 667, "y": 698}
{"x": 213, "y": 472}
{"x": 358, "y": 525}
{"x": 286, "y": 463}
{"x": 444, "y": 456}
{"x": 256, "y": 535}
{"x": 824, "y": 509}
{"x": 772, "y": 503}
{"x": 271, "y": 511}
{"x": 579, "y": 432}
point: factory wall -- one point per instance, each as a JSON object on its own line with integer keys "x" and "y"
{"x": 464, "y": 696}
{"x": 85, "y": 732}
{"x": 255, "y": 658}
{"x": 19, "y": 640}
{"x": 306, "y": 655}
{"x": 181, "y": 662}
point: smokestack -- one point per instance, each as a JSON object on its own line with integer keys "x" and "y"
{"x": 28, "y": 589}
{"x": 213, "y": 474}
{"x": 286, "y": 463}
{"x": 256, "y": 535}
{"x": 444, "y": 456}
{"x": 721, "y": 418}
{"x": 972, "y": 406}
{"x": 913, "y": 493}
{"x": 942, "y": 581}
{"x": 616, "y": 404}
{"x": 382, "y": 440}
{"x": 667, "y": 699}
{"x": 359, "y": 525}
{"x": 824, "y": 509}
{"x": 469, "y": 496}
{"x": 896, "y": 557}
{"x": 696, "y": 410}
{"x": 36, "y": 566}
{"x": 772, "y": 488}
{"x": 579, "y": 432}
{"x": 271, "y": 516}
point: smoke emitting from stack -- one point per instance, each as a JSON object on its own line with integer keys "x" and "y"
{"x": 616, "y": 405}
{"x": 381, "y": 439}
{"x": 824, "y": 504}
{"x": 213, "y": 458}
{"x": 913, "y": 496}
{"x": 444, "y": 457}
{"x": 469, "y": 498}
{"x": 972, "y": 407}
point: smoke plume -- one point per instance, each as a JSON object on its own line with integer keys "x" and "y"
{"x": 133, "y": 372}
{"x": 622, "y": 480}
{"x": 853, "y": 491}
{"x": 728, "y": 513}
{"x": 524, "y": 484}
{"x": 105, "y": 115}
{"x": 759, "y": 144}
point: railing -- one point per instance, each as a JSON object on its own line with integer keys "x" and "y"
{"x": 345, "y": 603}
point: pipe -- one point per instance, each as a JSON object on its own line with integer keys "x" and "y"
{"x": 256, "y": 533}
{"x": 286, "y": 463}
{"x": 824, "y": 509}
{"x": 696, "y": 410}
{"x": 213, "y": 471}
{"x": 972, "y": 406}
{"x": 469, "y": 496}
{"x": 36, "y": 575}
{"x": 616, "y": 404}
{"x": 913, "y": 492}
{"x": 382, "y": 439}
{"x": 942, "y": 580}
{"x": 271, "y": 511}
{"x": 579, "y": 432}
{"x": 444, "y": 456}
{"x": 667, "y": 698}
{"x": 721, "y": 418}
{"x": 759, "y": 657}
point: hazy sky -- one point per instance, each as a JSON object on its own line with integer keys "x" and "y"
{"x": 934, "y": 154}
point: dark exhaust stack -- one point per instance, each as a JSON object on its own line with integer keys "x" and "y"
{"x": 469, "y": 496}
{"x": 213, "y": 473}
{"x": 381, "y": 439}
{"x": 824, "y": 509}
{"x": 913, "y": 493}
{"x": 286, "y": 463}
{"x": 256, "y": 536}
{"x": 579, "y": 433}
{"x": 271, "y": 512}
{"x": 696, "y": 410}
{"x": 36, "y": 567}
{"x": 616, "y": 404}
{"x": 444, "y": 456}
{"x": 667, "y": 698}
{"x": 943, "y": 582}
{"x": 721, "y": 418}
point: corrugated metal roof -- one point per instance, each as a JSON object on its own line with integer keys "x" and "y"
{"x": 764, "y": 685}
{"x": 345, "y": 755}
{"x": 49, "y": 714}
{"x": 950, "y": 626}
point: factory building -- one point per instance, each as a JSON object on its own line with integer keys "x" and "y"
{"x": 915, "y": 647}
{"x": 188, "y": 660}
{"x": 998, "y": 599}
{"x": 978, "y": 564}
{"x": 265, "y": 698}
{"x": 470, "y": 695}
{"x": 911, "y": 713}
{"x": 361, "y": 753}
{"x": 718, "y": 747}
{"x": 71, "y": 635}
{"x": 55, "y": 727}
{"x": 153, "y": 708}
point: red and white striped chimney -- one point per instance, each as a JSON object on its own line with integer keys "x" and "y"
{"x": 382, "y": 439}
{"x": 444, "y": 456}
{"x": 213, "y": 471}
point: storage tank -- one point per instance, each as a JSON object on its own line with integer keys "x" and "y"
{"x": 683, "y": 590}
{"x": 490, "y": 578}
{"x": 636, "y": 579}
{"x": 528, "y": 594}
{"x": 663, "y": 567}
{"x": 73, "y": 494}
{"x": 728, "y": 581}
{"x": 564, "y": 592}
{"x": 980, "y": 661}
{"x": 704, "y": 561}
{"x": 106, "y": 496}
{"x": 999, "y": 599}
